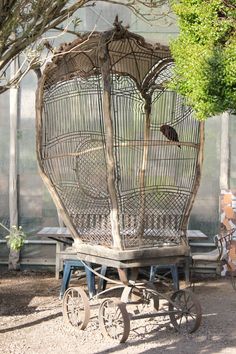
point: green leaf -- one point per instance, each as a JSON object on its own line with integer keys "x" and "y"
{"x": 16, "y": 238}
{"x": 205, "y": 55}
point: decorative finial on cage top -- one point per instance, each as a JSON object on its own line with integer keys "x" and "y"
{"x": 118, "y": 25}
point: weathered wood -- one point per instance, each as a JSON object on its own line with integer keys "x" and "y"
{"x": 14, "y": 256}
{"x": 54, "y": 231}
{"x": 182, "y": 250}
{"x": 129, "y": 263}
{"x": 142, "y": 183}
{"x": 126, "y": 144}
{"x": 14, "y": 117}
{"x": 59, "y": 234}
{"x": 108, "y": 128}
{"x": 60, "y": 246}
{"x": 125, "y": 276}
{"x": 59, "y": 205}
{"x": 64, "y": 233}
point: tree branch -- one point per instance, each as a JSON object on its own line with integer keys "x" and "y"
{"x": 27, "y": 20}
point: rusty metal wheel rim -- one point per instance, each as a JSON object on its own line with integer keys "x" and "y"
{"x": 114, "y": 320}
{"x": 147, "y": 295}
{"x": 76, "y": 308}
{"x": 185, "y": 311}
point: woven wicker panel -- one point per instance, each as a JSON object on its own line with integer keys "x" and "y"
{"x": 170, "y": 170}
{"x": 74, "y": 155}
{"x": 92, "y": 147}
{"x": 162, "y": 219}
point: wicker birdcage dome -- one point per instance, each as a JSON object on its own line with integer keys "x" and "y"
{"x": 120, "y": 153}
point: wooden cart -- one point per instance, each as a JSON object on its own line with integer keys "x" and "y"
{"x": 121, "y": 155}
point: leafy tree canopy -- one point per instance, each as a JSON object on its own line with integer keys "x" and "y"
{"x": 205, "y": 55}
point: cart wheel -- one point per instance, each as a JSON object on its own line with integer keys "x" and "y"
{"x": 146, "y": 296}
{"x": 114, "y": 320}
{"x": 76, "y": 309}
{"x": 185, "y": 311}
{"x": 233, "y": 279}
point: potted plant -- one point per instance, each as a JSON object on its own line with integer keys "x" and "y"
{"x": 15, "y": 238}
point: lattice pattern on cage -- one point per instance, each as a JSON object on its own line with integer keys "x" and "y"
{"x": 128, "y": 55}
{"x": 94, "y": 229}
{"x": 162, "y": 222}
{"x": 154, "y": 177}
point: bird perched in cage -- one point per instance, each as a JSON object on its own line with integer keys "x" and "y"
{"x": 170, "y": 133}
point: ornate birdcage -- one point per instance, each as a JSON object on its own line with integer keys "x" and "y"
{"x": 120, "y": 153}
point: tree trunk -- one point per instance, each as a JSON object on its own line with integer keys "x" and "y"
{"x": 108, "y": 128}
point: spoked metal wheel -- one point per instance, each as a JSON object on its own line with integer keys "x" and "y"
{"x": 185, "y": 311}
{"x": 76, "y": 309}
{"x": 114, "y": 320}
{"x": 146, "y": 295}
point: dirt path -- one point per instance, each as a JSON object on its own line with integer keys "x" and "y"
{"x": 31, "y": 322}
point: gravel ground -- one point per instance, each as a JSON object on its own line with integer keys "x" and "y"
{"x": 31, "y": 322}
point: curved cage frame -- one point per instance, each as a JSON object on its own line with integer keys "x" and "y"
{"x": 120, "y": 153}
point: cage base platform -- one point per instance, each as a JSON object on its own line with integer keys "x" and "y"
{"x": 132, "y": 258}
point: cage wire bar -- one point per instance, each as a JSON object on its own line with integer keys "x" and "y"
{"x": 119, "y": 180}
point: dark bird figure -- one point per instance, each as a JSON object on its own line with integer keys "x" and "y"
{"x": 170, "y": 133}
